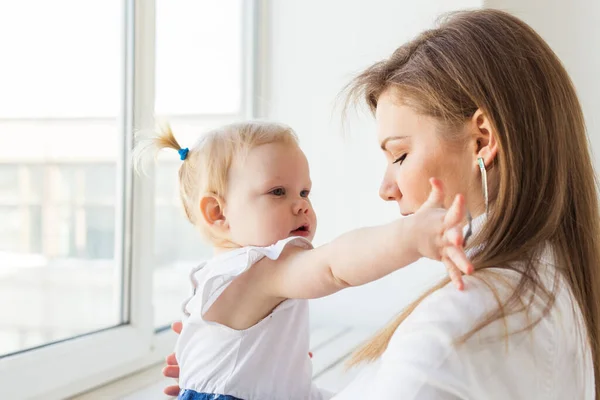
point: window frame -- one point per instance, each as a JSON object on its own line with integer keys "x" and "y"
{"x": 74, "y": 365}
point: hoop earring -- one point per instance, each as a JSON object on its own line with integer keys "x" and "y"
{"x": 484, "y": 184}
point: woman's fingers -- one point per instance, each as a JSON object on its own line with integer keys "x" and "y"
{"x": 171, "y": 391}
{"x": 171, "y": 371}
{"x": 172, "y": 368}
{"x": 171, "y": 359}
{"x": 176, "y": 327}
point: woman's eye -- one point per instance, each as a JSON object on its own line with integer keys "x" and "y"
{"x": 278, "y": 192}
{"x": 400, "y": 159}
{"x": 304, "y": 193}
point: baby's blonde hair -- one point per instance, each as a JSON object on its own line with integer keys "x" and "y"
{"x": 205, "y": 167}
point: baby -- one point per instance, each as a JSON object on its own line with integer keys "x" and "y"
{"x": 245, "y": 335}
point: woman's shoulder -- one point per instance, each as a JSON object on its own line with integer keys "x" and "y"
{"x": 488, "y": 313}
{"x": 429, "y": 347}
{"x": 508, "y": 289}
{"x": 523, "y": 347}
{"x": 452, "y": 310}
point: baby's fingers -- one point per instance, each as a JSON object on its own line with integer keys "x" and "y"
{"x": 457, "y": 212}
{"x": 436, "y": 196}
{"x": 454, "y": 273}
{"x": 454, "y": 236}
{"x": 459, "y": 259}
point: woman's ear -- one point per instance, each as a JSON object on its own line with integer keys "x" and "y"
{"x": 211, "y": 208}
{"x": 486, "y": 145}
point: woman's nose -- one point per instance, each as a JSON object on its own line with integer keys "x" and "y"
{"x": 389, "y": 190}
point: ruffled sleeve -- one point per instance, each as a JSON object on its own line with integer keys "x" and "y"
{"x": 210, "y": 280}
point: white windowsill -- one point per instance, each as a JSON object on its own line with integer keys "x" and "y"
{"x": 147, "y": 384}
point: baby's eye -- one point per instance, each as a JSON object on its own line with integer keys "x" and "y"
{"x": 278, "y": 192}
{"x": 304, "y": 193}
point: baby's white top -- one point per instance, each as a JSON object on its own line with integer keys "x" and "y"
{"x": 267, "y": 361}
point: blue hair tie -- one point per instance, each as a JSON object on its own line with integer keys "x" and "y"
{"x": 183, "y": 153}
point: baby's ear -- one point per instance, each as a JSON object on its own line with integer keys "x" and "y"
{"x": 211, "y": 208}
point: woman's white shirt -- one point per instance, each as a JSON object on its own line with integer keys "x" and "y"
{"x": 423, "y": 361}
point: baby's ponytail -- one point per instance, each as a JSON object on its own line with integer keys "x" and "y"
{"x": 152, "y": 145}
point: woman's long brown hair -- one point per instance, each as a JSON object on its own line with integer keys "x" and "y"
{"x": 545, "y": 182}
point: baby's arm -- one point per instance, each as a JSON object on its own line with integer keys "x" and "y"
{"x": 367, "y": 254}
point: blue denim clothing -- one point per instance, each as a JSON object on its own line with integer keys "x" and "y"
{"x": 187, "y": 394}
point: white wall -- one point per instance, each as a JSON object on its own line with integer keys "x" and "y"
{"x": 314, "y": 48}
{"x": 572, "y": 29}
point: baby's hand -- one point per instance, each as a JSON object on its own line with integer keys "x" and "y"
{"x": 440, "y": 234}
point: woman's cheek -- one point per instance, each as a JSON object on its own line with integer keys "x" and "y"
{"x": 416, "y": 188}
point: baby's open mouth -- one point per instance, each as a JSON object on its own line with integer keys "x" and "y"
{"x": 302, "y": 230}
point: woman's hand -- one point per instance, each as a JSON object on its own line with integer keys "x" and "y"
{"x": 172, "y": 368}
{"x": 440, "y": 232}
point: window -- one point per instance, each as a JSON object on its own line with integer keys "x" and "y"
{"x": 198, "y": 87}
{"x": 58, "y": 117}
{"x": 93, "y": 258}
